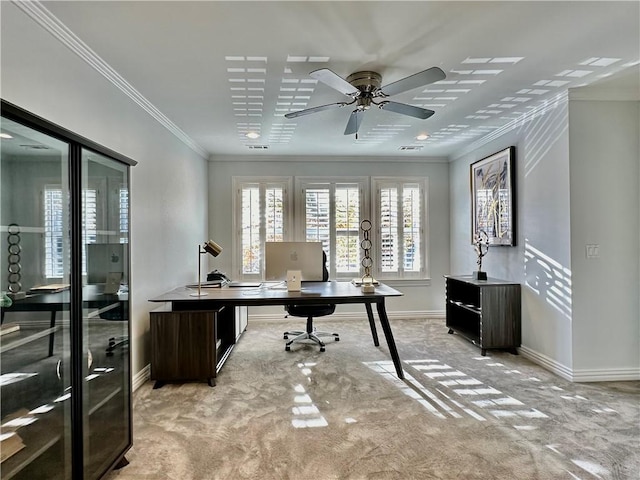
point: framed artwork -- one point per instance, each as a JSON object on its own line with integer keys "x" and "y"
{"x": 493, "y": 198}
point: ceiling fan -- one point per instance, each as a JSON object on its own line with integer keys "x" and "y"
{"x": 364, "y": 87}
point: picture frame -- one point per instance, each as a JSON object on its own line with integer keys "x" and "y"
{"x": 493, "y": 203}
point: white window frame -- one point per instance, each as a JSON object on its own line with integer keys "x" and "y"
{"x": 238, "y": 183}
{"x": 90, "y": 234}
{"x": 123, "y": 210}
{"x": 302, "y": 183}
{"x": 295, "y": 212}
{"x": 377, "y": 183}
{"x": 47, "y": 274}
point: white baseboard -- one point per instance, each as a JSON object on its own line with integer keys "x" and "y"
{"x": 547, "y": 363}
{"x": 417, "y": 314}
{"x": 141, "y": 377}
{"x": 606, "y": 375}
{"x": 38, "y": 323}
{"x": 586, "y": 375}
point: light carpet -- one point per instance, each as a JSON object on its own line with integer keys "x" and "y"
{"x": 343, "y": 414}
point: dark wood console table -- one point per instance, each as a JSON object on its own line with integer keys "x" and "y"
{"x": 485, "y": 312}
{"x": 216, "y": 314}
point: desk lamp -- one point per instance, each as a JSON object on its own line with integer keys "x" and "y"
{"x": 213, "y": 249}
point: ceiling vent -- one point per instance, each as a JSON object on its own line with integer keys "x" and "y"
{"x": 258, "y": 147}
{"x": 410, "y": 147}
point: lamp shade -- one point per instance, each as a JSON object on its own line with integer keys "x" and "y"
{"x": 212, "y": 248}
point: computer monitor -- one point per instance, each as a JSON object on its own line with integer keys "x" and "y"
{"x": 106, "y": 258}
{"x": 279, "y": 257}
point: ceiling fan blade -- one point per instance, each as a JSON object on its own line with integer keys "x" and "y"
{"x": 355, "y": 120}
{"x": 335, "y": 81}
{"x": 405, "y": 109}
{"x": 309, "y": 111}
{"x": 416, "y": 80}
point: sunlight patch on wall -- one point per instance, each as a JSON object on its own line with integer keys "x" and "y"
{"x": 548, "y": 278}
{"x": 543, "y": 129}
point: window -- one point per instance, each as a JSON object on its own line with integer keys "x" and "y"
{"x": 330, "y": 211}
{"x": 89, "y": 221}
{"x": 54, "y": 225}
{"x": 123, "y": 216}
{"x": 332, "y": 215}
{"x": 54, "y": 222}
{"x": 400, "y": 215}
{"x": 261, "y": 216}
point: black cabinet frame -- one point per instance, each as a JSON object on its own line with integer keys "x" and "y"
{"x": 77, "y": 364}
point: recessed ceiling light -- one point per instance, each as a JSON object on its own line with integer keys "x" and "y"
{"x": 422, "y": 136}
{"x": 253, "y": 135}
{"x": 5, "y": 135}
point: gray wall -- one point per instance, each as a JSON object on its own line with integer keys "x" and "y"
{"x": 169, "y": 184}
{"x": 541, "y": 260}
{"x": 21, "y": 175}
{"x": 577, "y": 184}
{"x": 420, "y": 297}
{"x": 605, "y": 165}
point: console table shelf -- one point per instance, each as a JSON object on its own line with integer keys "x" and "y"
{"x": 486, "y": 312}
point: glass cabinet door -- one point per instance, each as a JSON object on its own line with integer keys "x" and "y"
{"x": 65, "y": 375}
{"x": 105, "y": 292}
{"x": 35, "y": 346}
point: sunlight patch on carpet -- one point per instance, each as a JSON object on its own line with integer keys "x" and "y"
{"x": 306, "y": 414}
{"x": 447, "y": 392}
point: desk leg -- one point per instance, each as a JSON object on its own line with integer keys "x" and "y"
{"x": 52, "y": 324}
{"x": 386, "y": 328}
{"x": 374, "y": 332}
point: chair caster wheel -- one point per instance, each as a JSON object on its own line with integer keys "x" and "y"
{"x": 337, "y": 339}
{"x": 287, "y": 348}
{"x": 322, "y": 349}
{"x": 286, "y": 337}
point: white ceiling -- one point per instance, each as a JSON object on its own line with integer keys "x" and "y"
{"x": 219, "y": 69}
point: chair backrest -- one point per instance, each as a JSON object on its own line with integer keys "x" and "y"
{"x": 325, "y": 272}
{"x": 314, "y": 310}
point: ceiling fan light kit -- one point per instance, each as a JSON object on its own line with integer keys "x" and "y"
{"x": 363, "y": 87}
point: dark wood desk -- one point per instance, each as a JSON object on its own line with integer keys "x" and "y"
{"x": 180, "y": 299}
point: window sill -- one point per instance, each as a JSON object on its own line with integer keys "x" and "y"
{"x": 399, "y": 282}
{"x": 406, "y": 282}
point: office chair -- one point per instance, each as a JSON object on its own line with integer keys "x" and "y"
{"x": 311, "y": 311}
{"x": 118, "y": 313}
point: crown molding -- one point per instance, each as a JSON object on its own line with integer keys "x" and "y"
{"x": 605, "y": 94}
{"x": 43, "y": 17}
